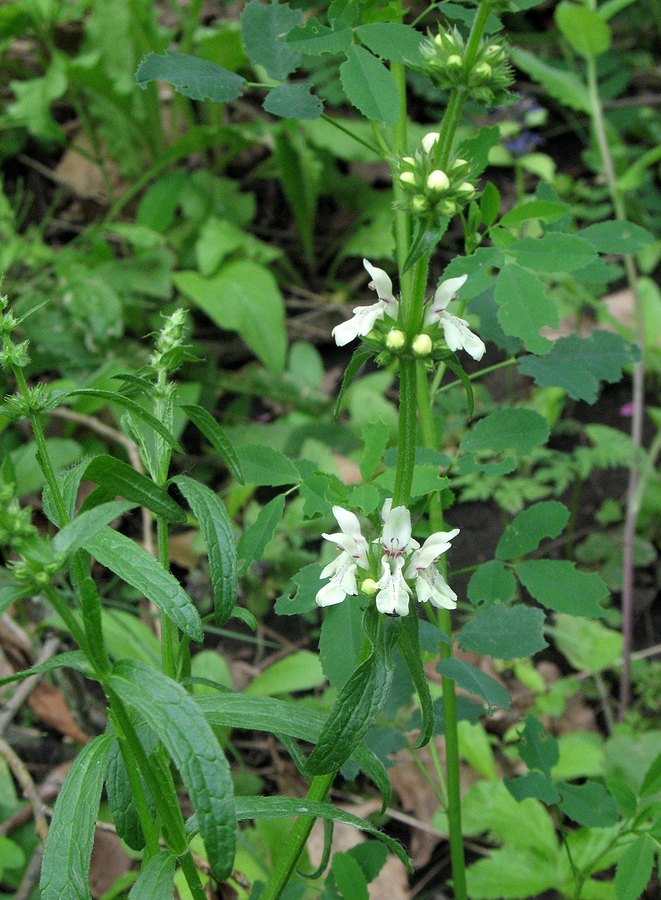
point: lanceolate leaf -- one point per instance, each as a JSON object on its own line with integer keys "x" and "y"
{"x": 156, "y": 878}
{"x": 253, "y": 541}
{"x": 357, "y": 361}
{"x": 66, "y": 864}
{"x": 199, "y": 79}
{"x": 212, "y": 431}
{"x": 138, "y": 568}
{"x": 122, "y": 479}
{"x": 369, "y": 86}
{"x": 72, "y": 660}
{"x": 634, "y": 868}
{"x": 173, "y": 714}
{"x": 87, "y": 524}
{"x": 563, "y": 86}
{"x": 409, "y": 647}
{"x": 216, "y": 529}
{"x": 120, "y": 800}
{"x": 455, "y": 366}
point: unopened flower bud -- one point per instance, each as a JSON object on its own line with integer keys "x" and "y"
{"x": 409, "y": 160}
{"x": 429, "y": 140}
{"x": 483, "y": 70}
{"x": 407, "y": 178}
{"x": 422, "y": 345}
{"x": 466, "y": 188}
{"x": 419, "y": 204}
{"x": 438, "y": 181}
{"x": 396, "y": 339}
{"x": 369, "y": 587}
{"x": 439, "y": 39}
{"x": 454, "y": 61}
{"x": 459, "y": 163}
{"x": 447, "y": 208}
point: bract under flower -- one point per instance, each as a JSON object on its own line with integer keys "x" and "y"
{"x": 365, "y": 317}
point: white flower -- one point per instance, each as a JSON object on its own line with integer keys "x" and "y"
{"x": 394, "y": 592}
{"x": 429, "y": 583}
{"x": 365, "y": 317}
{"x": 396, "y": 537}
{"x": 456, "y": 331}
{"x": 353, "y": 554}
{"x": 429, "y": 141}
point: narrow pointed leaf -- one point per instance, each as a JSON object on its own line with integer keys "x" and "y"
{"x": 87, "y": 524}
{"x": 357, "y": 361}
{"x": 120, "y": 478}
{"x": 156, "y": 878}
{"x": 205, "y": 422}
{"x": 120, "y": 801}
{"x": 409, "y": 647}
{"x": 72, "y": 660}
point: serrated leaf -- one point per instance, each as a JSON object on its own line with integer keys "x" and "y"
{"x": 524, "y": 307}
{"x": 537, "y": 748}
{"x": 369, "y": 86}
{"x": 617, "y": 237}
{"x": 253, "y": 541}
{"x": 491, "y": 583}
{"x": 205, "y": 422}
{"x": 588, "y": 804}
{"x": 156, "y": 878}
{"x": 307, "y": 585}
{"x": 174, "y": 716}
{"x": 120, "y": 478}
{"x": 314, "y": 38}
{"x": 584, "y": 28}
{"x": 514, "y": 430}
{"x": 392, "y": 41}
{"x": 293, "y": 101}
{"x": 375, "y": 440}
{"x": 504, "y": 632}
{"x": 564, "y": 86}
{"x": 199, "y": 79}
{"x": 475, "y": 682}
{"x": 118, "y": 791}
{"x": 139, "y": 569}
{"x": 264, "y": 28}
{"x": 511, "y": 873}
{"x": 544, "y": 210}
{"x": 558, "y": 585}
{"x": 587, "y": 645}
{"x": 634, "y": 868}
{"x": 553, "y": 252}
{"x": 546, "y": 519}
{"x": 535, "y": 785}
{"x": 65, "y": 867}
{"x": 87, "y": 524}
{"x": 264, "y": 465}
{"x": 218, "y": 535}
{"x": 579, "y": 365}
{"x": 425, "y": 236}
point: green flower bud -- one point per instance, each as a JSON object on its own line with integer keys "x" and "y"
{"x": 466, "y": 188}
{"x": 438, "y": 181}
{"x": 369, "y": 587}
{"x": 455, "y": 61}
{"x": 483, "y": 71}
{"x": 408, "y": 160}
{"x": 459, "y": 163}
{"x": 407, "y": 178}
{"x": 447, "y": 208}
{"x": 396, "y": 339}
{"x": 422, "y": 345}
{"x": 419, "y": 204}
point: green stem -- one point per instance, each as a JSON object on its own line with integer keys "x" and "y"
{"x": 399, "y": 149}
{"x": 169, "y": 639}
{"x": 451, "y": 119}
{"x": 414, "y": 304}
{"x": 407, "y": 432}
{"x": 285, "y": 863}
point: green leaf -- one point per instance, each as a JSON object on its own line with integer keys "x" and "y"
{"x": 71, "y": 660}
{"x": 68, "y": 481}
{"x": 375, "y": 439}
{"x": 307, "y": 585}
{"x": 218, "y": 535}
{"x": 205, "y": 422}
{"x": 579, "y": 365}
{"x": 588, "y": 646}
{"x": 504, "y": 632}
{"x": 87, "y": 524}
{"x": 634, "y": 868}
{"x": 617, "y": 237}
{"x": 491, "y": 583}
{"x": 314, "y": 38}
{"x": 243, "y": 297}
{"x": 156, "y": 878}
{"x": 511, "y": 873}
{"x": 253, "y": 541}
{"x": 287, "y": 807}
{"x": 29, "y": 475}
{"x": 475, "y": 682}
{"x": 544, "y": 210}
{"x": 533, "y": 784}
{"x": 341, "y": 627}
{"x": 409, "y": 647}
{"x": 392, "y": 41}
{"x": 541, "y": 520}
{"x": 489, "y": 204}
{"x": 196, "y": 78}
{"x": 652, "y": 780}
{"x": 553, "y": 252}
{"x": 118, "y": 477}
{"x": 120, "y": 800}
{"x": 65, "y": 868}
{"x": 357, "y": 361}
{"x": 264, "y": 28}
{"x": 299, "y": 671}
{"x": 424, "y": 238}
{"x": 583, "y": 28}
{"x": 132, "y": 407}
{"x": 128, "y": 637}
{"x": 588, "y": 804}
{"x": 293, "y": 101}
{"x": 524, "y": 307}
{"x": 565, "y": 87}
{"x": 557, "y": 584}
{"x": 477, "y": 149}
{"x": 174, "y": 716}
{"x": 369, "y": 86}
{"x": 349, "y": 878}
{"x": 537, "y": 748}
{"x": 514, "y": 430}
{"x": 139, "y": 569}
{"x": 264, "y": 465}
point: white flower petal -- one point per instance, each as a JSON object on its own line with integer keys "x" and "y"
{"x": 431, "y": 586}
{"x": 458, "y": 335}
{"x": 435, "y": 545}
{"x": 446, "y": 291}
{"x": 396, "y": 535}
{"x": 393, "y": 595}
{"x": 330, "y": 594}
{"x": 429, "y": 140}
{"x": 381, "y": 280}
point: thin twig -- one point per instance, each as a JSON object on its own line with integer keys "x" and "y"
{"x": 26, "y": 687}
{"x": 31, "y": 876}
{"x": 24, "y": 778}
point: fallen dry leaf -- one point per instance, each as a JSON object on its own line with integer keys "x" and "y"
{"x": 109, "y": 862}
{"x": 48, "y": 703}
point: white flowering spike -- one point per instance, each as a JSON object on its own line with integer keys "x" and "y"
{"x": 342, "y": 570}
{"x": 429, "y": 140}
{"x": 456, "y": 331}
{"x": 396, "y": 537}
{"x": 393, "y": 591}
{"x": 438, "y": 181}
{"x": 365, "y": 317}
{"x": 429, "y": 583}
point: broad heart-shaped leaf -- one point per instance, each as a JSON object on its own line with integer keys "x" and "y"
{"x": 533, "y": 784}
{"x": 617, "y": 237}
{"x": 264, "y": 28}
{"x": 392, "y": 41}
{"x": 139, "y": 569}
{"x": 634, "y": 868}
{"x": 564, "y": 86}
{"x": 196, "y": 78}
{"x": 264, "y": 465}
{"x": 156, "y": 878}
{"x": 369, "y": 86}
{"x": 73, "y": 536}
{"x": 122, "y": 479}
{"x": 244, "y": 297}
{"x": 66, "y": 864}
{"x": 132, "y": 407}
{"x": 314, "y": 38}
{"x": 475, "y": 682}
{"x": 515, "y": 430}
{"x": 557, "y": 584}
{"x": 588, "y": 804}
{"x": 491, "y": 583}
{"x": 584, "y": 28}
{"x": 409, "y": 647}
{"x": 553, "y": 252}
{"x": 293, "y": 101}
{"x": 579, "y": 365}
{"x": 174, "y": 716}
{"x": 205, "y": 422}
{"x": 505, "y": 632}
{"x": 537, "y": 748}
{"x": 524, "y": 307}
{"x": 523, "y": 534}
{"x": 253, "y": 541}
{"x": 218, "y": 535}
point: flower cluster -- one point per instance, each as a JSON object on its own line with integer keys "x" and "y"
{"x": 442, "y": 330}
{"x": 391, "y": 568}
{"x": 487, "y": 77}
{"x": 432, "y": 191}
